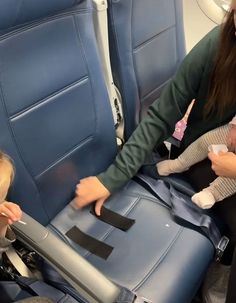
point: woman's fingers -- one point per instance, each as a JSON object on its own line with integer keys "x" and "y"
{"x": 98, "y": 206}
{"x": 90, "y": 190}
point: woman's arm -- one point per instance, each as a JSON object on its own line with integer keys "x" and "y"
{"x": 163, "y": 114}
{"x": 156, "y": 127}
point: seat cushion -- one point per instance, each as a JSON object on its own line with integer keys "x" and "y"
{"x": 158, "y": 258}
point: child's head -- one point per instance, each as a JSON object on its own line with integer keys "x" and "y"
{"x": 6, "y": 175}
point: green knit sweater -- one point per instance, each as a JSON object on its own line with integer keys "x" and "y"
{"x": 190, "y": 82}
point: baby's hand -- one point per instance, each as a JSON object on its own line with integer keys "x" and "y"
{"x": 231, "y": 138}
{"x": 9, "y": 213}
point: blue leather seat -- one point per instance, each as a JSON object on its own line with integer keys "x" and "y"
{"x": 55, "y": 112}
{"x": 146, "y": 55}
{"x": 56, "y": 123}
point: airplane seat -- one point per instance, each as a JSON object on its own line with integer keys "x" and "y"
{"x": 49, "y": 115}
{"x": 145, "y": 57}
{"x": 56, "y": 124}
{"x": 147, "y": 45}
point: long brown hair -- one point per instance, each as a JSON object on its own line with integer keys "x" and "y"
{"x": 222, "y": 87}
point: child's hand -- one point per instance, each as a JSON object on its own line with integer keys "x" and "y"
{"x": 9, "y": 213}
{"x": 231, "y": 138}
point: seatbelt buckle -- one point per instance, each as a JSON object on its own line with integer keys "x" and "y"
{"x": 128, "y": 296}
{"x": 221, "y": 248}
{"x": 140, "y": 299}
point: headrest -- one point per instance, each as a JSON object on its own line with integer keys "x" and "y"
{"x": 16, "y": 12}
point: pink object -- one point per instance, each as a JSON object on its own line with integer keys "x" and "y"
{"x": 182, "y": 124}
{"x": 179, "y": 129}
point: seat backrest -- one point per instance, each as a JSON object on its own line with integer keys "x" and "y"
{"x": 147, "y": 45}
{"x": 55, "y": 117}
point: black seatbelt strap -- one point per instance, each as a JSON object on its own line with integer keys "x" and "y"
{"x": 110, "y": 217}
{"x": 42, "y": 289}
{"x": 182, "y": 208}
{"x": 91, "y": 244}
{"x": 151, "y": 186}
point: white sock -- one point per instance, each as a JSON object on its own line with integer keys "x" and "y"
{"x": 204, "y": 199}
{"x": 167, "y": 167}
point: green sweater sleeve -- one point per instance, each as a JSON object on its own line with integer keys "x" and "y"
{"x": 159, "y": 123}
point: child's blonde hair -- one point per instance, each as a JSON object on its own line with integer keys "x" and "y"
{"x": 4, "y": 158}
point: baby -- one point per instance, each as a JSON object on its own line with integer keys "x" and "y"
{"x": 221, "y": 187}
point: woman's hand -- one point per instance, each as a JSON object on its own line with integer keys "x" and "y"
{"x": 223, "y": 164}
{"x": 91, "y": 190}
{"x": 231, "y": 138}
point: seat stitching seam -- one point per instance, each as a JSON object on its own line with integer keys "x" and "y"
{"x": 111, "y": 229}
{"x": 156, "y": 88}
{"x": 89, "y": 73}
{"x": 59, "y": 233}
{"x": 65, "y": 155}
{"x": 51, "y": 96}
{"x": 158, "y": 261}
{"x": 38, "y": 23}
{"x": 143, "y": 44}
{"x": 17, "y": 146}
{"x": 128, "y": 211}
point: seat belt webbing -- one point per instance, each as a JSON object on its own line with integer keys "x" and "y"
{"x": 42, "y": 289}
{"x": 18, "y": 263}
{"x": 110, "y": 217}
{"x": 91, "y": 244}
{"x": 182, "y": 208}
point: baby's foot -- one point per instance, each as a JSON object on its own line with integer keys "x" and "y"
{"x": 204, "y": 199}
{"x": 167, "y": 167}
